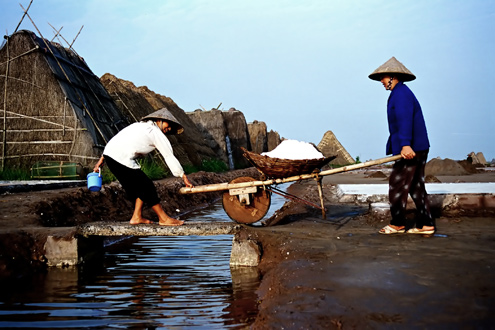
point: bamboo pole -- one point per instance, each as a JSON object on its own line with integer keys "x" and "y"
{"x": 53, "y": 130}
{"x": 23, "y": 54}
{"x": 228, "y": 186}
{"x": 57, "y": 32}
{"x": 54, "y": 155}
{"x": 4, "y": 138}
{"x": 320, "y": 194}
{"x": 77, "y": 35}
{"x": 25, "y": 13}
{"x": 23, "y": 81}
{"x": 66, "y": 77}
{"x": 36, "y": 118}
{"x": 40, "y": 142}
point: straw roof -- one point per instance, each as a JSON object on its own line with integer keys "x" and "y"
{"x": 53, "y": 107}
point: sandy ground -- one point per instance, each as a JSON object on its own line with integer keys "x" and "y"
{"x": 337, "y": 273}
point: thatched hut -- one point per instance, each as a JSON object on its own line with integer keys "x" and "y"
{"x": 52, "y": 106}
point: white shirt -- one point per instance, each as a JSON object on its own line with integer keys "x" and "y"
{"x": 139, "y": 139}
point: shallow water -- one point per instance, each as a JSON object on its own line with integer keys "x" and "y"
{"x": 143, "y": 283}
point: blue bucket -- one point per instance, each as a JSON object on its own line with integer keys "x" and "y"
{"x": 94, "y": 181}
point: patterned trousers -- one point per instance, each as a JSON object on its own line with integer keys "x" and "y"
{"x": 408, "y": 178}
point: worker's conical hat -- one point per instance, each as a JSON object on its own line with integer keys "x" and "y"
{"x": 165, "y": 114}
{"x": 392, "y": 67}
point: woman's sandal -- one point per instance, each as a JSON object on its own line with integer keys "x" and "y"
{"x": 421, "y": 231}
{"x": 388, "y": 230}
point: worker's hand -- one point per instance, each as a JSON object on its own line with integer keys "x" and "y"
{"x": 186, "y": 181}
{"x": 407, "y": 152}
{"x": 97, "y": 166}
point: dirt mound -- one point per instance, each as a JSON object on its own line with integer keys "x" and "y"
{"x": 432, "y": 179}
{"x": 445, "y": 166}
{"x": 470, "y": 167}
{"x": 378, "y": 175}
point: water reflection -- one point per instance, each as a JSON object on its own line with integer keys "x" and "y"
{"x": 142, "y": 283}
{"x": 157, "y": 282}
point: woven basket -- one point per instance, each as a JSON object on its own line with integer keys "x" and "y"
{"x": 281, "y": 168}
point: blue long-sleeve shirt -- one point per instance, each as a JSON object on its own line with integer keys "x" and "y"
{"x": 406, "y": 123}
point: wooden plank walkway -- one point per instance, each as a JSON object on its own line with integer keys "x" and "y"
{"x": 104, "y": 228}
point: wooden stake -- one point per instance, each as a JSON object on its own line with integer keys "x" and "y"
{"x": 57, "y": 32}
{"x": 77, "y": 35}
{"x": 4, "y": 138}
{"x": 25, "y": 13}
{"x": 320, "y": 192}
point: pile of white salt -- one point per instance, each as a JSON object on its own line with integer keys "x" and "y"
{"x": 293, "y": 149}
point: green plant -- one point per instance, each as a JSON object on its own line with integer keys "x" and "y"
{"x": 358, "y": 160}
{"x": 107, "y": 176}
{"x": 152, "y": 169}
{"x": 190, "y": 169}
{"x": 207, "y": 165}
{"x": 14, "y": 174}
{"x": 214, "y": 165}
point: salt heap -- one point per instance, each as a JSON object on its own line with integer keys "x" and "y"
{"x": 293, "y": 149}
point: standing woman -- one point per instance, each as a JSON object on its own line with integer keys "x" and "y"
{"x": 409, "y": 138}
{"x": 138, "y": 140}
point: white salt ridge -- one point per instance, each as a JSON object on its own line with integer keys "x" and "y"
{"x": 293, "y": 149}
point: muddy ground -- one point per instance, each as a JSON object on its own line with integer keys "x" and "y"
{"x": 337, "y": 273}
{"x": 28, "y": 217}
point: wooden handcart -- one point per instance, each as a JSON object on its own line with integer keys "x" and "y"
{"x": 247, "y": 200}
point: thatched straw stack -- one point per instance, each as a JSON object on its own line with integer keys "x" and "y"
{"x": 52, "y": 107}
{"x": 329, "y": 145}
{"x": 137, "y": 102}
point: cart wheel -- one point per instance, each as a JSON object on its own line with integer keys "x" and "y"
{"x": 246, "y": 212}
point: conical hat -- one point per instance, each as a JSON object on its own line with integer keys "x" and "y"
{"x": 165, "y": 114}
{"x": 392, "y": 67}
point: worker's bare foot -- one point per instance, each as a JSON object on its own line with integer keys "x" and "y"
{"x": 136, "y": 221}
{"x": 170, "y": 222}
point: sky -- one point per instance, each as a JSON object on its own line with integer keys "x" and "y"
{"x": 299, "y": 66}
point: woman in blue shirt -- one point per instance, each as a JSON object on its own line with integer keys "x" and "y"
{"x": 409, "y": 138}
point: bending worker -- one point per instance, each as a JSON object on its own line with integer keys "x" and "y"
{"x": 137, "y": 140}
{"x": 409, "y": 138}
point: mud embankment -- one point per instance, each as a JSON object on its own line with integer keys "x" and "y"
{"x": 27, "y": 218}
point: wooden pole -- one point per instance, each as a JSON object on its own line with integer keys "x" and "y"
{"x": 228, "y": 186}
{"x": 77, "y": 35}
{"x": 4, "y": 138}
{"x": 66, "y": 77}
{"x": 25, "y": 13}
{"x": 320, "y": 193}
{"x": 361, "y": 165}
{"x": 57, "y": 32}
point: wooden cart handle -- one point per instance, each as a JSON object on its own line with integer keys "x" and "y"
{"x": 228, "y": 186}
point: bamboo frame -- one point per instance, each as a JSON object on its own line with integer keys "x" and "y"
{"x": 39, "y": 142}
{"x": 66, "y": 76}
{"x": 4, "y": 137}
{"x": 23, "y": 54}
{"x": 45, "y": 130}
{"x": 35, "y": 118}
{"x": 53, "y": 155}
